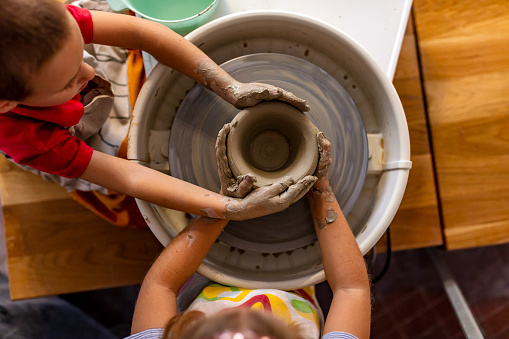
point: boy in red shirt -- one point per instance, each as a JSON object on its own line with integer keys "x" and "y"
{"x": 42, "y": 74}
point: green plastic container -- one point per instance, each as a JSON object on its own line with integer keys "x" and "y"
{"x": 181, "y": 16}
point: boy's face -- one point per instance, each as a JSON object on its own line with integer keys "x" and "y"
{"x": 64, "y": 76}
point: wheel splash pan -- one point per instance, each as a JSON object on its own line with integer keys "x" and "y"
{"x": 343, "y": 59}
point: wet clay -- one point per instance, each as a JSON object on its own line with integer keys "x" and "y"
{"x": 324, "y": 149}
{"x": 270, "y": 199}
{"x": 217, "y": 80}
{"x": 329, "y": 197}
{"x": 331, "y": 215}
{"x": 272, "y": 140}
{"x": 236, "y": 93}
{"x": 270, "y": 150}
{"x": 230, "y": 186}
{"x": 243, "y": 94}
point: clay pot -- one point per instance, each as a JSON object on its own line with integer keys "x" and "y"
{"x": 272, "y": 140}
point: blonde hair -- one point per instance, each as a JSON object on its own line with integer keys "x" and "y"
{"x": 196, "y": 325}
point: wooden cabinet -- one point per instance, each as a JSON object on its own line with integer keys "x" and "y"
{"x": 417, "y": 222}
{"x": 464, "y": 52}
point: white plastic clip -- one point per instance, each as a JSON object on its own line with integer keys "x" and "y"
{"x": 397, "y": 165}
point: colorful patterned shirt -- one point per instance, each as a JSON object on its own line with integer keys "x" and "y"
{"x": 295, "y": 307}
{"x": 298, "y": 307}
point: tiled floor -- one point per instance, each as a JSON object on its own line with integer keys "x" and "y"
{"x": 410, "y": 302}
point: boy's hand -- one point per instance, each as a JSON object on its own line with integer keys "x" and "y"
{"x": 269, "y": 199}
{"x": 230, "y": 186}
{"x": 241, "y": 94}
{"x": 249, "y": 94}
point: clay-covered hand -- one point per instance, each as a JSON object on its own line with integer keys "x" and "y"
{"x": 249, "y": 94}
{"x": 325, "y": 158}
{"x": 322, "y": 192}
{"x": 230, "y": 186}
{"x": 241, "y": 94}
{"x": 268, "y": 199}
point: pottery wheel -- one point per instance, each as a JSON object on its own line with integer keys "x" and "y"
{"x": 202, "y": 114}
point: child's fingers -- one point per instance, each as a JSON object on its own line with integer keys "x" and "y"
{"x": 221, "y": 140}
{"x": 298, "y": 190}
{"x": 325, "y": 160}
{"x": 244, "y": 185}
{"x": 253, "y": 93}
{"x": 293, "y": 100}
{"x": 276, "y": 188}
{"x": 223, "y": 168}
{"x": 323, "y": 145}
{"x": 230, "y": 186}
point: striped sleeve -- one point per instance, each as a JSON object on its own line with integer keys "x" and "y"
{"x": 152, "y": 333}
{"x": 338, "y": 335}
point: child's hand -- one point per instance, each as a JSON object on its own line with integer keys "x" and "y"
{"x": 324, "y": 150}
{"x": 241, "y": 94}
{"x": 230, "y": 186}
{"x": 249, "y": 94}
{"x": 321, "y": 194}
{"x": 268, "y": 199}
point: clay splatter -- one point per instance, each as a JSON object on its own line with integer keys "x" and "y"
{"x": 209, "y": 72}
{"x": 320, "y": 224}
{"x": 209, "y": 212}
{"x": 331, "y": 215}
{"x": 191, "y": 238}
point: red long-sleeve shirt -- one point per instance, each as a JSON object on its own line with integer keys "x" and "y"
{"x": 37, "y": 136}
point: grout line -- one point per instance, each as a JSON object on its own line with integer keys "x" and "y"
{"x": 428, "y": 126}
{"x": 465, "y": 316}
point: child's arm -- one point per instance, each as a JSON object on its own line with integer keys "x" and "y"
{"x": 178, "y": 53}
{"x": 157, "y": 300}
{"x": 124, "y": 176}
{"x": 343, "y": 263}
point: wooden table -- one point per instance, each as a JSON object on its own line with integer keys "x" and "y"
{"x": 56, "y": 246}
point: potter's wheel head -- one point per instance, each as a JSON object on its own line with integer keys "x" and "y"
{"x": 202, "y": 114}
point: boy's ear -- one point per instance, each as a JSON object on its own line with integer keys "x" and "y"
{"x": 7, "y": 105}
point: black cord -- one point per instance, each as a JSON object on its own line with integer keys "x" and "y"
{"x": 387, "y": 259}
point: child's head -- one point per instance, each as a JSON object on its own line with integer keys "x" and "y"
{"x": 229, "y": 324}
{"x": 41, "y": 49}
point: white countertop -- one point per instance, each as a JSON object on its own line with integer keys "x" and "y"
{"x": 378, "y": 25}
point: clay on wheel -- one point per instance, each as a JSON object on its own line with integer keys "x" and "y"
{"x": 272, "y": 140}
{"x": 202, "y": 114}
